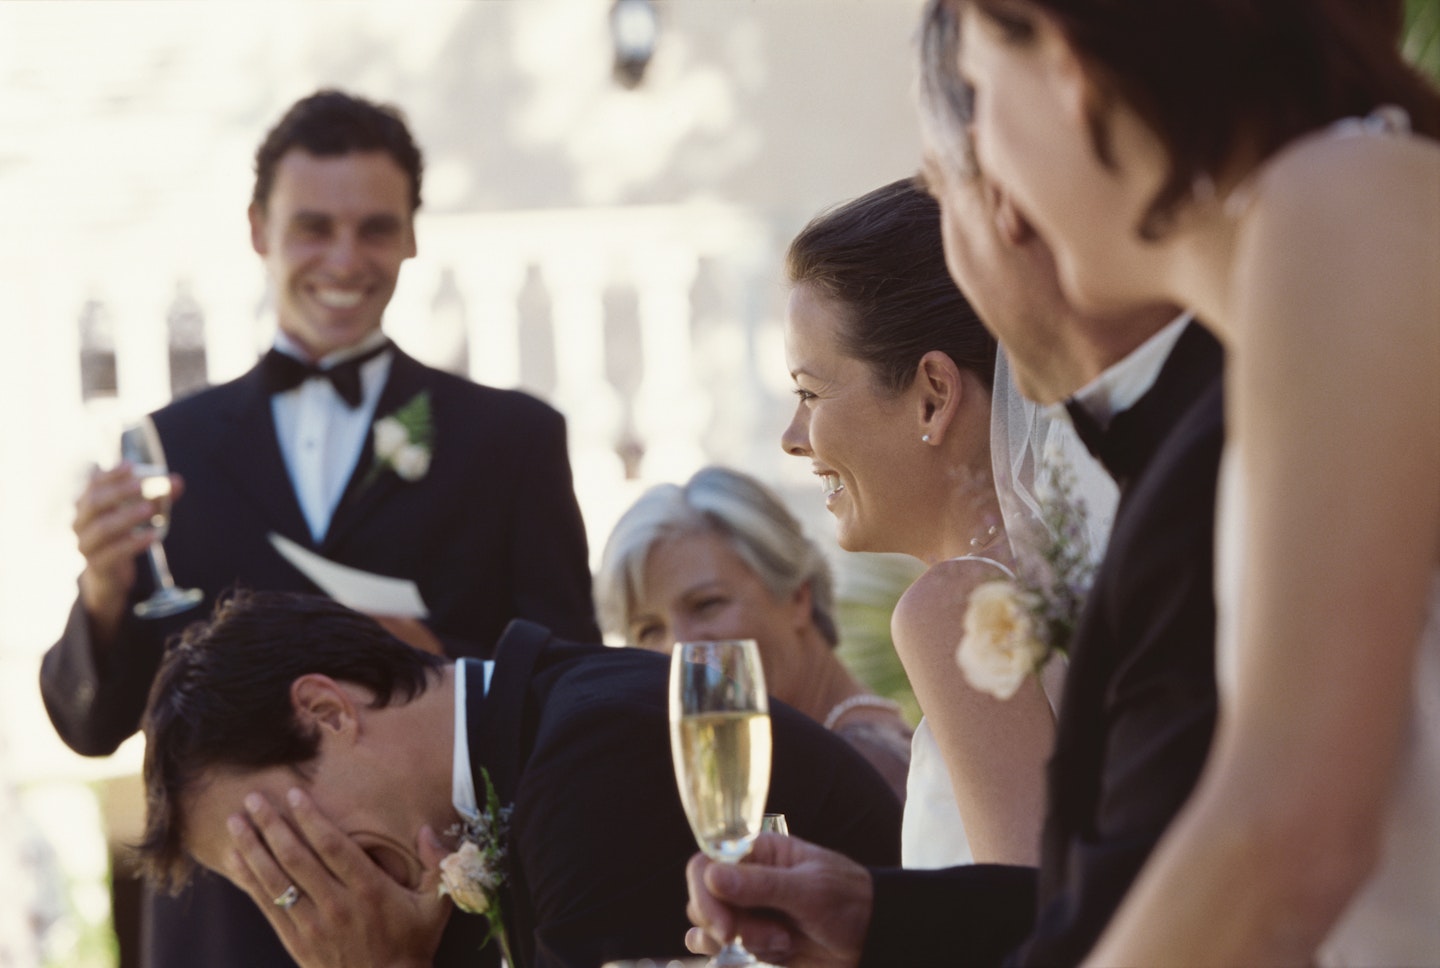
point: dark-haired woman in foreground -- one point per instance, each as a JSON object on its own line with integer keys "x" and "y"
{"x": 1255, "y": 162}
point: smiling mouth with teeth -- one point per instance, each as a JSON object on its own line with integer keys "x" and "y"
{"x": 339, "y": 298}
{"x": 830, "y": 484}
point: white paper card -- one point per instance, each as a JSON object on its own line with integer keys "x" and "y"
{"x": 363, "y": 591}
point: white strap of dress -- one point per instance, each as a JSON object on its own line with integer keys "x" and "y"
{"x": 1009, "y": 573}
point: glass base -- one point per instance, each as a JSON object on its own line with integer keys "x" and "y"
{"x": 169, "y": 601}
{"x": 733, "y": 956}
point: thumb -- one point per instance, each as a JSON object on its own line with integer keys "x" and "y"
{"x": 432, "y": 852}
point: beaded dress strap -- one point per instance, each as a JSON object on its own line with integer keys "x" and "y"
{"x": 1386, "y": 119}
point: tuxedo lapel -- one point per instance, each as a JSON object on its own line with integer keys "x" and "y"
{"x": 246, "y": 446}
{"x": 502, "y": 724}
{"x": 407, "y": 378}
{"x": 502, "y": 730}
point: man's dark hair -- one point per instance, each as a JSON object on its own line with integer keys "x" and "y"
{"x": 222, "y": 699}
{"x": 881, "y": 258}
{"x": 329, "y": 123}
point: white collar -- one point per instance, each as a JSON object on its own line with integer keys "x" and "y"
{"x": 1122, "y": 384}
{"x": 462, "y": 780}
{"x": 286, "y": 344}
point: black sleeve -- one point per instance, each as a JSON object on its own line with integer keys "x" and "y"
{"x": 95, "y": 702}
{"x": 829, "y": 793}
{"x": 601, "y": 841}
{"x": 550, "y": 557}
{"x": 971, "y": 915}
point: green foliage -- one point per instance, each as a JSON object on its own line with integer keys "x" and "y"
{"x": 1422, "y": 35}
{"x": 870, "y": 585}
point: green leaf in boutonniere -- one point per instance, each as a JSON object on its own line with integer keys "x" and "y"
{"x": 404, "y": 441}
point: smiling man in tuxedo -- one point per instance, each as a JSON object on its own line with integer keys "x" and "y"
{"x": 1135, "y": 724}
{"x": 288, "y": 721}
{"x": 469, "y": 496}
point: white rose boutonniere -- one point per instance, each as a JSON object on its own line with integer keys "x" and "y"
{"x": 1013, "y": 626}
{"x": 404, "y": 441}
{"x": 468, "y": 877}
{"x": 474, "y": 873}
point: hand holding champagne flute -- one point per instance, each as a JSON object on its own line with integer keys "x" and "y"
{"x": 720, "y": 740}
{"x": 140, "y": 446}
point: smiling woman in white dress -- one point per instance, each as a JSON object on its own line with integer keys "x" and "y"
{"x": 893, "y": 373}
{"x": 1249, "y": 159}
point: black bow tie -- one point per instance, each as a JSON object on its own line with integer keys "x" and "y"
{"x": 1087, "y": 428}
{"x": 284, "y": 372}
{"x": 1113, "y": 446}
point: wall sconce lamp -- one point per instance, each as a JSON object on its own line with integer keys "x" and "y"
{"x": 634, "y": 29}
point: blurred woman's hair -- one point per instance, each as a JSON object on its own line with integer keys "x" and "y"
{"x": 880, "y": 258}
{"x": 1205, "y": 74}
{"x": 735, "y": 506}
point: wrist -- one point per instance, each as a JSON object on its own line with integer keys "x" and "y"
{"x": 104, "y": 610}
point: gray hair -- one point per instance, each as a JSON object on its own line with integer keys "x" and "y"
{"x": 750, "y": 516}
{"x": 947, "y": 103}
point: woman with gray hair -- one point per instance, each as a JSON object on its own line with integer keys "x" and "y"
{"x": 720, "y": 557}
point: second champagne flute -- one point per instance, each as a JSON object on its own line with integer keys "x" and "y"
{"x": 720, "y": 740}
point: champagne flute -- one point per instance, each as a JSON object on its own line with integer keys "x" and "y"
{"x": 720, "y": 741}
{"x": 140, "y": 445}
{"x": 775, "y": 823}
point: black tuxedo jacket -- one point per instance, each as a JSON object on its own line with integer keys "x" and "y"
{"x": 577, "y": 738}
{"x": 1137, "y": 715}
{"x": 490, "y": 533}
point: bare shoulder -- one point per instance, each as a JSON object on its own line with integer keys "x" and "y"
{"x": 1344, "y": 229}
{"x": 939, "y": 597}
{"x": 1362, "y": 183}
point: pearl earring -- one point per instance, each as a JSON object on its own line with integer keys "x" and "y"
{"x": 924, "y": 438}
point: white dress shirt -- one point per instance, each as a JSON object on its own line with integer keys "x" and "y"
{"x": 1120, "y": 386}
{"x": 462, "y": 780}
{"x": 321, "y": 438}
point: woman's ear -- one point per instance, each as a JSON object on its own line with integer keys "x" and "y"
{"x": 938, "y": 394}
{"x": 325, "y": 705}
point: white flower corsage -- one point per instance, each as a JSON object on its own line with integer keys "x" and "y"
{"x": 1013, "y": 626}
{"x": 404, "y": 440}
{"x": 474, "y": 873}
{"x": 1002, "y": 643}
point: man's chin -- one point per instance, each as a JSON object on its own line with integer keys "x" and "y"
{"x": 1036, "y": 389}
{"x": 321, "y": 337}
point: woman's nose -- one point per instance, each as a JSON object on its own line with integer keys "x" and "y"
{"x": 795, "y": 440}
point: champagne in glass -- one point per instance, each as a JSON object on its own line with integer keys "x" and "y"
{"x": 720, "y": 741}
{"x": 140, "y": 445}
{"x": 155, "y": 488}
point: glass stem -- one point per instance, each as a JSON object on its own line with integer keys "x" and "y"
{"x": 160, "y": 566}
